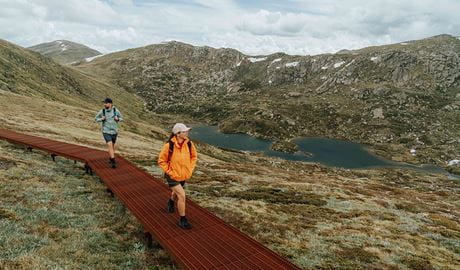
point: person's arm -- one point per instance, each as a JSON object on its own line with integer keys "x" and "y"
{"x": 163, "y": 158}
{"x": 193, "y": 156}
{"x": 99, "y": 117}
{"x": 119, "y": 116}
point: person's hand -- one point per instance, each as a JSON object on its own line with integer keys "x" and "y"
{"x": 116, "y": 118}
{"x": 103, "y": 118}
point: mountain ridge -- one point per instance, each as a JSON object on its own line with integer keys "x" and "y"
{"x": 319, "y": 217}
{"x": 392, "y": 95}
{"x": 65, "y": 52}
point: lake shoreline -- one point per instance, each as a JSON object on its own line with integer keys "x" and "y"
{"x": 364, "y": 155}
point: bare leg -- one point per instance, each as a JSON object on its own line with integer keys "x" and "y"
{"x": 173, "y": 195}
{"x": 180, "y": 194}
{"x": 110, "y": 149}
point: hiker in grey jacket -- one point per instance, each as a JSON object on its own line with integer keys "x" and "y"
{"x": 109, "y": 116}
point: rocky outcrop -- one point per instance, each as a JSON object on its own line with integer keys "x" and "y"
{"x": 402, "y": 93}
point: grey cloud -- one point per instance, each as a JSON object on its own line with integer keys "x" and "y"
{"x": 273, "y": 23}
{"x": 92, "y": 12}
{"x": 292, "y": 26}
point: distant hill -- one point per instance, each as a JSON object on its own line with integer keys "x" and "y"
{"x": 400, "y": 96}
{"x": 333, "y": 218}
{"x": 28, "y": 73}
{"x": 64, "y": 51}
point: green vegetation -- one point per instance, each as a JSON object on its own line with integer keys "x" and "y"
{"x": 333, "y": 219}
{"x": 52, "y": 215}
{"x": 377, "y": 95}
{"x": 277, "y": 196}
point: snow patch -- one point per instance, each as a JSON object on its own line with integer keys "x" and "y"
{"x": 350, "y": 63}
{"x": 63, "y": 46}
{"x": 338, "y": 64}
{"x": 453, "y": 162}
{"x": 413, "y": 151}
{"x": 239, "y": 63}
{"x": 255, "y": 59}
{"x": 89, "y": 59}
{"x": 276, "y": 60}
{"x": 374, "y": 59}
{"x": 325, "y": 67}
{"x": 292, "y": 64}
{"x": 404, "y": 43}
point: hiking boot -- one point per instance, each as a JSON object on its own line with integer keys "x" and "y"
{"x": 171, "y": 208}
{"x": 113, "y": 163}
{"x": 184, "y": 224}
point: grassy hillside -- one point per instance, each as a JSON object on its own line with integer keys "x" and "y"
{"x": 54, "y": 216}
{"x": 319, "y": 218}
{"x": 27, "y": 73}
{"x": 396, "y": 97}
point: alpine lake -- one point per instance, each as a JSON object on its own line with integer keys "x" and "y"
{"x": 327, "y": 152}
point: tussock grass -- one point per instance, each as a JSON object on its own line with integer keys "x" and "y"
{"x": 6, "y": 164}
{"x": 53, "y": 216}
{"x": 374, "y": 219}
{"x": 277, "y": 196}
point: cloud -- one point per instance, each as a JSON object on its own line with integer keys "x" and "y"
{"x": 292, "y": 26}
{"x": 273, "y": 23}
{"x": 328, "y": 26}
{"x": 92, "y": 12}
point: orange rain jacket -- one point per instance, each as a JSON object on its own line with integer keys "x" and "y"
{"x": 182, "y": 163}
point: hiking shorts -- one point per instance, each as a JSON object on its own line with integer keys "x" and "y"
{"x": 110, "y": 137}
{"x": 172, "y": 183}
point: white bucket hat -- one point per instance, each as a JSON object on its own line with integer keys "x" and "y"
{"x": 179, "y": 127}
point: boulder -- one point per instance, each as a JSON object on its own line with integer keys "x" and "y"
{"x": 294, "y": 94}
{"x": 378, "y": 113}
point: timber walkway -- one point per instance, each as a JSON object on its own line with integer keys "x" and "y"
{"x": 210, "y": 244}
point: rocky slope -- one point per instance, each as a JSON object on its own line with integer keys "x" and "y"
{"x": 320, "y": 218}
{"x": 396, "y": 97}
{"x": 65, "y": 52}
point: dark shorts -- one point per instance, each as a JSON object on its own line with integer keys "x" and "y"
{"x": 172, "y": 182}
{"x": 110, "y": 137}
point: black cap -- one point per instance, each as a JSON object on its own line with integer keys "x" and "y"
{"x": 108, "y": 100}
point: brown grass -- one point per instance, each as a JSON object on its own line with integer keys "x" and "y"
{"x": 320, "y": 218}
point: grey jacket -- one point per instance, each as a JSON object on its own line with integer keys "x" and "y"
{"x": 109, "y": 126}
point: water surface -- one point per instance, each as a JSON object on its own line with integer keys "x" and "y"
{"x": 328, "y": 152}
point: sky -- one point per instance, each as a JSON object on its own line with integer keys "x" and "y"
{"x": 303, "y": 27}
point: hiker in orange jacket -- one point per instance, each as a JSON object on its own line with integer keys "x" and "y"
{"x": 178, "y": 160}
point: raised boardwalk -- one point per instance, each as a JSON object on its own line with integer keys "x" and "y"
{"x": 210, "y": 244}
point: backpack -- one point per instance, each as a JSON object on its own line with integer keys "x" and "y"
{"x": 114, "y": 112}
{"x": 171, "y": 149}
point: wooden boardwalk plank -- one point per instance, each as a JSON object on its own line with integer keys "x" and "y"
{"x": 210, "y": 244}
